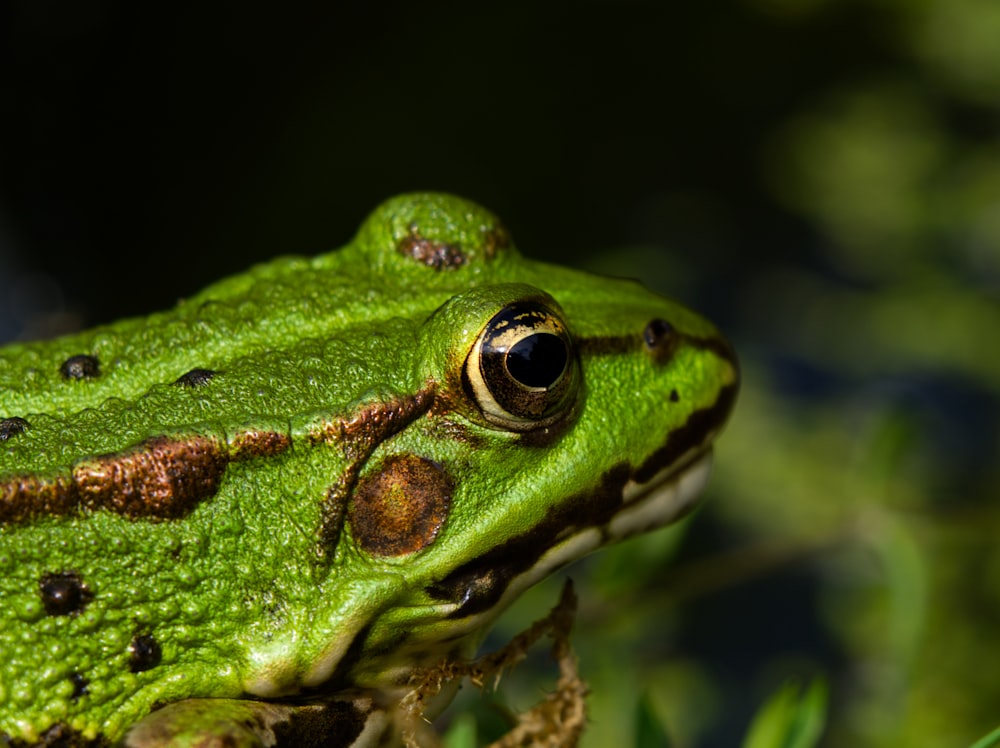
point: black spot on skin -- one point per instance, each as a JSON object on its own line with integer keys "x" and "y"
{"x": 80, "y": 366}
{"x": 64, "y": 593}
{"x": 674, "y": 397}
{"x": 80, "y": 686}
{"x": 11, "y": 427}
{"x": 144, "y": 653}
{"x": 195, "y": 378}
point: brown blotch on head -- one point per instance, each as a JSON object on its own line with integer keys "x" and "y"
{"x": 64, "y": 593}
{"x": 11, "y": 427}
{"x": 495, "y": 239}
{"x": 162, "y": 477}
{"x": 436, "y": 254}
{"x": 81, "y": 366}
{"x": 401, "y": 506}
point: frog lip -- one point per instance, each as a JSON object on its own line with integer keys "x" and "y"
{"x": 667, "y": 496}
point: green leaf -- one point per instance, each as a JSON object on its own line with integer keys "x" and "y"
{"x": 988, "y": 741}
{"x": 790, "y": 719}
{"x": 650, "y": 732}
{"x": 461, "y": 733}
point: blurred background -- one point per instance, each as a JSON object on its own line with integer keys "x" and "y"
{"x": 820, "y": 177}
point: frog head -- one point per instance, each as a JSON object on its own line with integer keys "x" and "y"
{"x": 559, "y": 411}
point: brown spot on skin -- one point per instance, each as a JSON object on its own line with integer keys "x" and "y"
{"x": 161, "y": 477}
{"x": 64, "y": 593}
{"x": 435, "y": 254}
{"x": 80, "y": 366}
{"x": 246, "y": 445}
{"x": 400, "y": 507}
{"x": 11, "y": 427}
{"x": 144, "y": 653}
{"x": 195, "y": 378}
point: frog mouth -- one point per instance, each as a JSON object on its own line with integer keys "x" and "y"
{"x": 640, "y": 505}
{"x": 626, "y": 506}
{"x": 669, "y": 494}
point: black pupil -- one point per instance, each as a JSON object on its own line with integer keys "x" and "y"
{"x": 537, "y": 360}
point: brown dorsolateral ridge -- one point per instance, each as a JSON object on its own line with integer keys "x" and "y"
{"x": 163, "y": 477}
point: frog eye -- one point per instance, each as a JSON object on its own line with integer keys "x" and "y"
{"x": 522, "y": 369}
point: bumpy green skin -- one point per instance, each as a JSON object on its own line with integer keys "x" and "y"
{"x": 260, "y": 588}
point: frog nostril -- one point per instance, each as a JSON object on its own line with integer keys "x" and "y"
{"x": 660, "y": 338}
{"x": 658, "y": 334}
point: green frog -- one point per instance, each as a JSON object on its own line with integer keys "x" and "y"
{"x": 250, "y": 519}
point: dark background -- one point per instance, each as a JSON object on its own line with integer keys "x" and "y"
{"x": 152, "y": 148}
{"x": 820, "y": 177}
